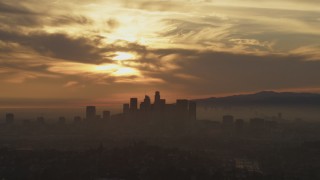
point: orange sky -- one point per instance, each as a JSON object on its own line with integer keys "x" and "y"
{"x": 106, "y": 51}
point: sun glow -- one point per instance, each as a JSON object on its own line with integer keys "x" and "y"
{"x": 117, "y": 70}
{"x": 125, "y": 71}
{"x": 122, "y": 56}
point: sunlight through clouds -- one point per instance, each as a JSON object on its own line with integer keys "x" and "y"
{"x": 177, "y": 45}
{"x": 121, "y": 56}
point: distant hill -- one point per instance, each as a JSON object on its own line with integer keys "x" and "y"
{"x": 264, "y": 98}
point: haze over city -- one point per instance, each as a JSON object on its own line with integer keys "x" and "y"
{"x": 160, "y": 90}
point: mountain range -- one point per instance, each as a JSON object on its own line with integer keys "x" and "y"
{"x": 264, "y": 98}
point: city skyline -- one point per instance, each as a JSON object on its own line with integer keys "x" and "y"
{"x": 160, "y": 89}
{"x": 147, "y": 109}
{"x": 56, "y": 53}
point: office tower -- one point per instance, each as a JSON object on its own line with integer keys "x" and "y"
{"x": 257, "y": 123}
{"x": 142, "y": 106}
{"x": 270, "y": 124}
{"x": 9, "y": 118}
{"x": 77, "y": 119}
{"x": 126, "y": 108}
{"x": 182, "y": 105}
{"x": 162, "y": 104}
{"x": 227, "y": 121}
{"x": 182, "y": 109}
{"x": 62, "y": 120}
{"x": 26, "y": 122}
{"x": 40, "y": 120}
{"x": 106, "y": 115}
{"x": 91, "y": 112}
{"x": 133, "y": 104}
{"x": 192, "y": 110}
{"x": 147, "y": 102}
{"x": 239, "y": 124}
{"x": 157, "y": 98}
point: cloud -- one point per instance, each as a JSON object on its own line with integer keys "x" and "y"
{"x": 14, "y": 9}
{"x": 198, "y": 47}
{"x": 113, "y": 23}
{"x": 70, "y": 20}
{"x": 58, "y": 45}
{"x": 13, "y": 75}
{"x": 71, "y": 84}
{"x": 217, "y": 72}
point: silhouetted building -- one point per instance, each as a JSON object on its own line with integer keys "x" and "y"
{"x": 133, "y": 104}
{"x": 40, "y": 120}
{"x": 77, "y": 119}
{"x": 271, "y": 124}
{"x": 62, "y": 120}
{"x": 162, "y": 104}
{"x": 192, "y": 110}
{"x": 157, "y": 98}
{"x": 257, "y": 123}
{"x": 147, "y": 102}
{"x": 239, "y": 124}
{"x": 26, "y": 122}
{"x": 182, "y": 105}
{"x": 106, "y": 115}
{"x": 142, "y": 106}
{"x": 182, "y": 109}
{"x": 227, "y": 121}
{"x": 126, "y": 108}
{"x": 159, "y": 113}
{"x": 9, "y": 118}
{"x": 91, "y": 112}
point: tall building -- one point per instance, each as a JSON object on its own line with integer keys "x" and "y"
{"x": 147, "y": 102}
{"x": 106, "y": 115}
{"x": 91, "y": 112}
{"x": 142, "y": 106}
{"x": 257, "y": 123}
{"x": 239, "y": 124}
{"x": 126, "y": 108}
{"x": 157, "y": 98}
{"x": 182, "y": 109}
{"x": 227, "y": 121}
{"x": 77, "y": 119}
{"x": 9, "y": 118}
{"x": 133, "y": 104}
{"x": 162, "y": 104}
{"x": 182, "y": 105}
{"x": 40, "y": 120}
{"x": 62, "y": 120}
{"x": 192, "y": 110}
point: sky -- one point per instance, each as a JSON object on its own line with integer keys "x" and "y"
{"x": 75, "y": 52}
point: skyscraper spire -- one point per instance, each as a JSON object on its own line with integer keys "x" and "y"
{"x": 157, "y": 98}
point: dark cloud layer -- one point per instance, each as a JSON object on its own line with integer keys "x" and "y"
{"x": 58, "y": 45}
{"x": 195, "y": 47}
{"x": 70, "y": 20}
{"x": 16, "y": 9}
{"x": 218, "y": 72}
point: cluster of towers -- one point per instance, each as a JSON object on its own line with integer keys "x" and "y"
{"x": 91, "y": 114}
{"x": 183, "y": 109}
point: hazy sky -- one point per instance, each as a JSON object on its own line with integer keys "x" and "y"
{"x": 62, "y": 52}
